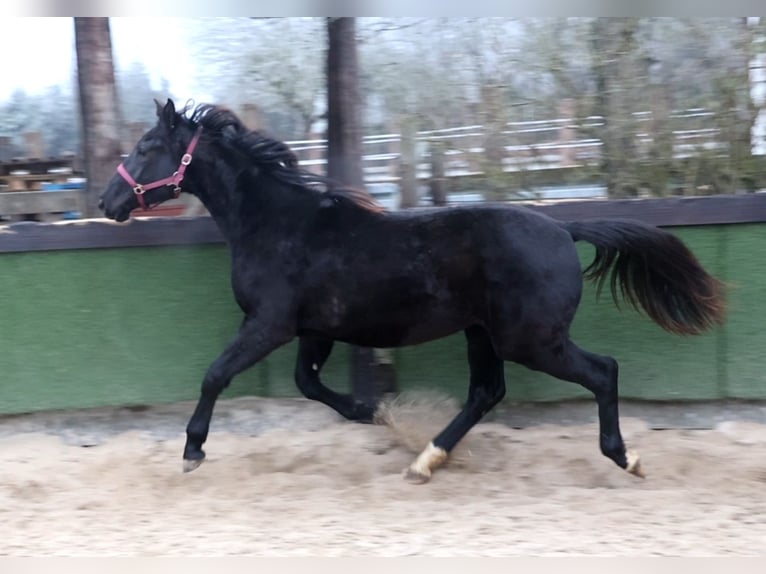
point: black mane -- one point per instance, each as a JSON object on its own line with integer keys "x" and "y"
{"x": 276, "y": 156}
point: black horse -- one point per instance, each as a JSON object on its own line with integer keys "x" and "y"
{"x": 325, "y": 264}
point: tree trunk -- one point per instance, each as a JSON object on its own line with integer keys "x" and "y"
{"x": 98, "y": 102}
{"x": 370, "y": 378}
{"x": 744, "y": 114}
{"x": 618, "y": 79}
{"x": 344, "y": 126}
{"x": 602, "y": 72}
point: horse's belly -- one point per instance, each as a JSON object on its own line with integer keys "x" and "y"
{"x": 394, "y": 328}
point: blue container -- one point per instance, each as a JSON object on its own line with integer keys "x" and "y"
{"x": 69, "y": 186}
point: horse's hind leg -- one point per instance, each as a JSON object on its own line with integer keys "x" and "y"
{"x": 598, "y": 374}
{"x": 312, "y": 354}
{"x": 487, "y": 388}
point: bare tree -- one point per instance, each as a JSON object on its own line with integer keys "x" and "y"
{"x": 275, "y": 63}
{"x": 638, "y": 75}
{"x": 290, "y": 71}
{"x": 98, "y": 104}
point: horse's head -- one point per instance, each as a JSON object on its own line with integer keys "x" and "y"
{"x": 153, "y": 171}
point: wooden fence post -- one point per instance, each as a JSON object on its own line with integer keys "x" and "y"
{"x": 438, "y": 177}
{"x": 408, "y": 179}
{"x": 33, "y": 145}
{"x": 6, "y": 148}
{"x": 566, "y": 133}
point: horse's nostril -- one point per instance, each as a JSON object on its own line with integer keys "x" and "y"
{"x": 101, "y": 204}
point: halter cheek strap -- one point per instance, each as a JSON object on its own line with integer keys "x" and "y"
{"x": 173, "y": 180}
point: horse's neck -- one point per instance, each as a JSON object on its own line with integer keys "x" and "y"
{"x": 247, "y": 206}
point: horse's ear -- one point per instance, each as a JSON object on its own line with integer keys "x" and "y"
{"x": 166, "y": 113}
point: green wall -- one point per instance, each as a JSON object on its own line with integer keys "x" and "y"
{"x": 140, "y": 325}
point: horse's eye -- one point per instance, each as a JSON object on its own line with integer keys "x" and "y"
{"x": 143, "y": 148}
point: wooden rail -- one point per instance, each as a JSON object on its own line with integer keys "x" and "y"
{"x": 161, "y": 231}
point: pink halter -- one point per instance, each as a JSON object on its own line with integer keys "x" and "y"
{"x": 174, "y": 180}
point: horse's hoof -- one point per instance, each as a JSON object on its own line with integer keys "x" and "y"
{"x": 419, "y": 472}
{"x": 634, "y": 464}
{"x": 416, "y": 476}
{"x": 190, "y": 465}
{"x": 364, "y": 412}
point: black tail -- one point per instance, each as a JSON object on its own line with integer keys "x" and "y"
{"x": 653, "y": 270}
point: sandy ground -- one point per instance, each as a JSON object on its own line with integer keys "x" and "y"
{"x": 304, "y": 482}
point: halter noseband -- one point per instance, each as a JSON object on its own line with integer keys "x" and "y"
{"x": 175, "y": 180}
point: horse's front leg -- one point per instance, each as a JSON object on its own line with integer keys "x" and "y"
{"x": 256, "y": 339}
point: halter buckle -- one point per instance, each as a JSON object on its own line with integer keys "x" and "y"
{"x": 186, "y": 159}
{"x": 139, "y": 189}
